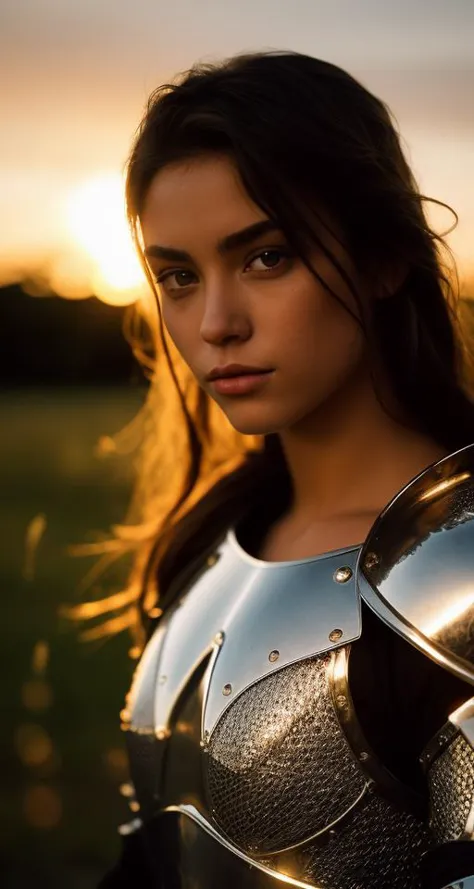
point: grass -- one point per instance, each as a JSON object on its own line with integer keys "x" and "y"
{"x": 63, "y": 758}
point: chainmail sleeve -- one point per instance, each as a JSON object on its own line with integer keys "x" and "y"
{"x": 448, "y": 761}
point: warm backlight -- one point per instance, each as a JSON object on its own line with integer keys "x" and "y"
{"x": 98, "y": 227}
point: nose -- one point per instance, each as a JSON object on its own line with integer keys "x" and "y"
{"x": 225, "y": 316}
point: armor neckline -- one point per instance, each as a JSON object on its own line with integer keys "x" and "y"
{"x": 233, "y": 540}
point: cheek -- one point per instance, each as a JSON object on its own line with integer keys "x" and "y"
{"x": 179, "y": 327}
{"x": 319, "y": 333}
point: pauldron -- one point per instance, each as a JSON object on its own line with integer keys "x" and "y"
{"x": 241, "y": 728}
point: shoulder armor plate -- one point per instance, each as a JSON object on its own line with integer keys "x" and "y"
{"x": 416, "y": 568}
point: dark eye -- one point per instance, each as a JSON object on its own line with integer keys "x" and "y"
{"x": 182, "y": 278}
{"x": 270, "y": 259}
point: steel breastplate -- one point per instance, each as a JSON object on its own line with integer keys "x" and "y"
{"x": 241, "y": 726}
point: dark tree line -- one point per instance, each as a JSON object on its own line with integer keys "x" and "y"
{"x": 48, "y": 340}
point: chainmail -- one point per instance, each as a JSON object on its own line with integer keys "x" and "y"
{"x": 375, "y": 847}
{"x": 451, "y": 780}
{"x": 279, "y": 767}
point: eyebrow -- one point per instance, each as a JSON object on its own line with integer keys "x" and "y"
{"x": 226, "y": 245}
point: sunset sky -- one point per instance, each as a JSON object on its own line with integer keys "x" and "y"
{"x": 76, "y": 75}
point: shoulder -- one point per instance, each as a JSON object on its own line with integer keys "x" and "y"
{"x": 416, "y": 569}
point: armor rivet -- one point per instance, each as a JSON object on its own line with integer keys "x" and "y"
{"x": 442, "y": 739}
{"x": 134, "y": 805}
{"x": 212, "y": 559}
{"x": 127, "y": 789}
{"x": 162, "y": 734}
{"x": 227, "y": 690}
{"x": 125, "y": 715}
{"x": 363, "y": 756}
{"x": 342, "y": 575}
{"x": 219, "y": 638}
{"x": 163, "y": 679}
{"x": 341, "y": 701}
{"x": 371, "y": 561}
{"x": 273, "y": 656}
{"x": 335, "y": 635}
{"x": 155, "y": 612}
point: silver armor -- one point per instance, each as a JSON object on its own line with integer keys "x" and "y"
{"x": 240, "y": 721}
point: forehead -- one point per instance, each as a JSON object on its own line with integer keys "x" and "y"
{"x": 196, "y": 202}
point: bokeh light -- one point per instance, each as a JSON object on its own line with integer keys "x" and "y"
{"x": 36, "y": 695}
{"x": 34, "y": 533}
{"x": 116, "y": 763}
{"x": 33, "y": 745}
{"x": 42, "y": 807}
{"x": 40, "y": 657}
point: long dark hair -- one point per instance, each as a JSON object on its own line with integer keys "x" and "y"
{"x": 304, "y": 135}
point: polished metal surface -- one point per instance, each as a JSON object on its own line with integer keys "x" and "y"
{"x": 466, "y": 883}
{"x": 463, "y": 718}
{"x": 240, "y": 718}
{"x": 194, "y": 635}
{"x": 240, "y": 610}
{"x": 288, "y": 607}
{"x": 139, "y": 713}
{"x": 416, "y": 568}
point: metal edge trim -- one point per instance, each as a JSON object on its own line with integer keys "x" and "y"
{"x": 289, "y": 563}
{"x": 163, "y": 729}
{"x": 195, "y": 815}
{"x": 466, "y": 882}
{"x": 437, "y": 745}
{"x": 469, "y": 825}
{"x": 463, "y": 718}
{"x": 381, "y": 779}
{"x": 408, "y": 632}
{"x": 435, "y": 470}
{"x": 345, "y": 641}
{"x": 324, "y": 830}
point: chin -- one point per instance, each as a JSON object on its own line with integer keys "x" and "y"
{"x": 261, "y": 419}
{"x": 255, "y": 422}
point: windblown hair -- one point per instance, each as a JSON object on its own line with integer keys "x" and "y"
{"x": 305, "y": 136}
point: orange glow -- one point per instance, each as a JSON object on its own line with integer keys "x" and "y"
{"x": 33, "y": 744}
{"x": 42, "y": 807}
{"x": 36, "y": 695}
{"x": 34, "y": 533}
{"x": 104, "y": 259}
{"x": 116, "y": 763}
{"x": 40, "y": 657}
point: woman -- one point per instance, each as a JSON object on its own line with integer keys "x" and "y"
{"x": 276, "y": 723}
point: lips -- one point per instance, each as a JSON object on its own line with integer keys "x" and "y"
{"x": 235, "y": 370}
{"x": 241, "y": 384}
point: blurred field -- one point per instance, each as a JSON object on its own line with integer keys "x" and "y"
{"x": 60, "y": 744}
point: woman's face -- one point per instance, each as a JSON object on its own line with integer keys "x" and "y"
{"x": 247, "y": 300}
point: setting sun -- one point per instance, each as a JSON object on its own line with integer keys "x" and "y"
{"x": 97, "y": 225}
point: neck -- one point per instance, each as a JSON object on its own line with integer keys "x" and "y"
{"x": 351, "y": 458}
